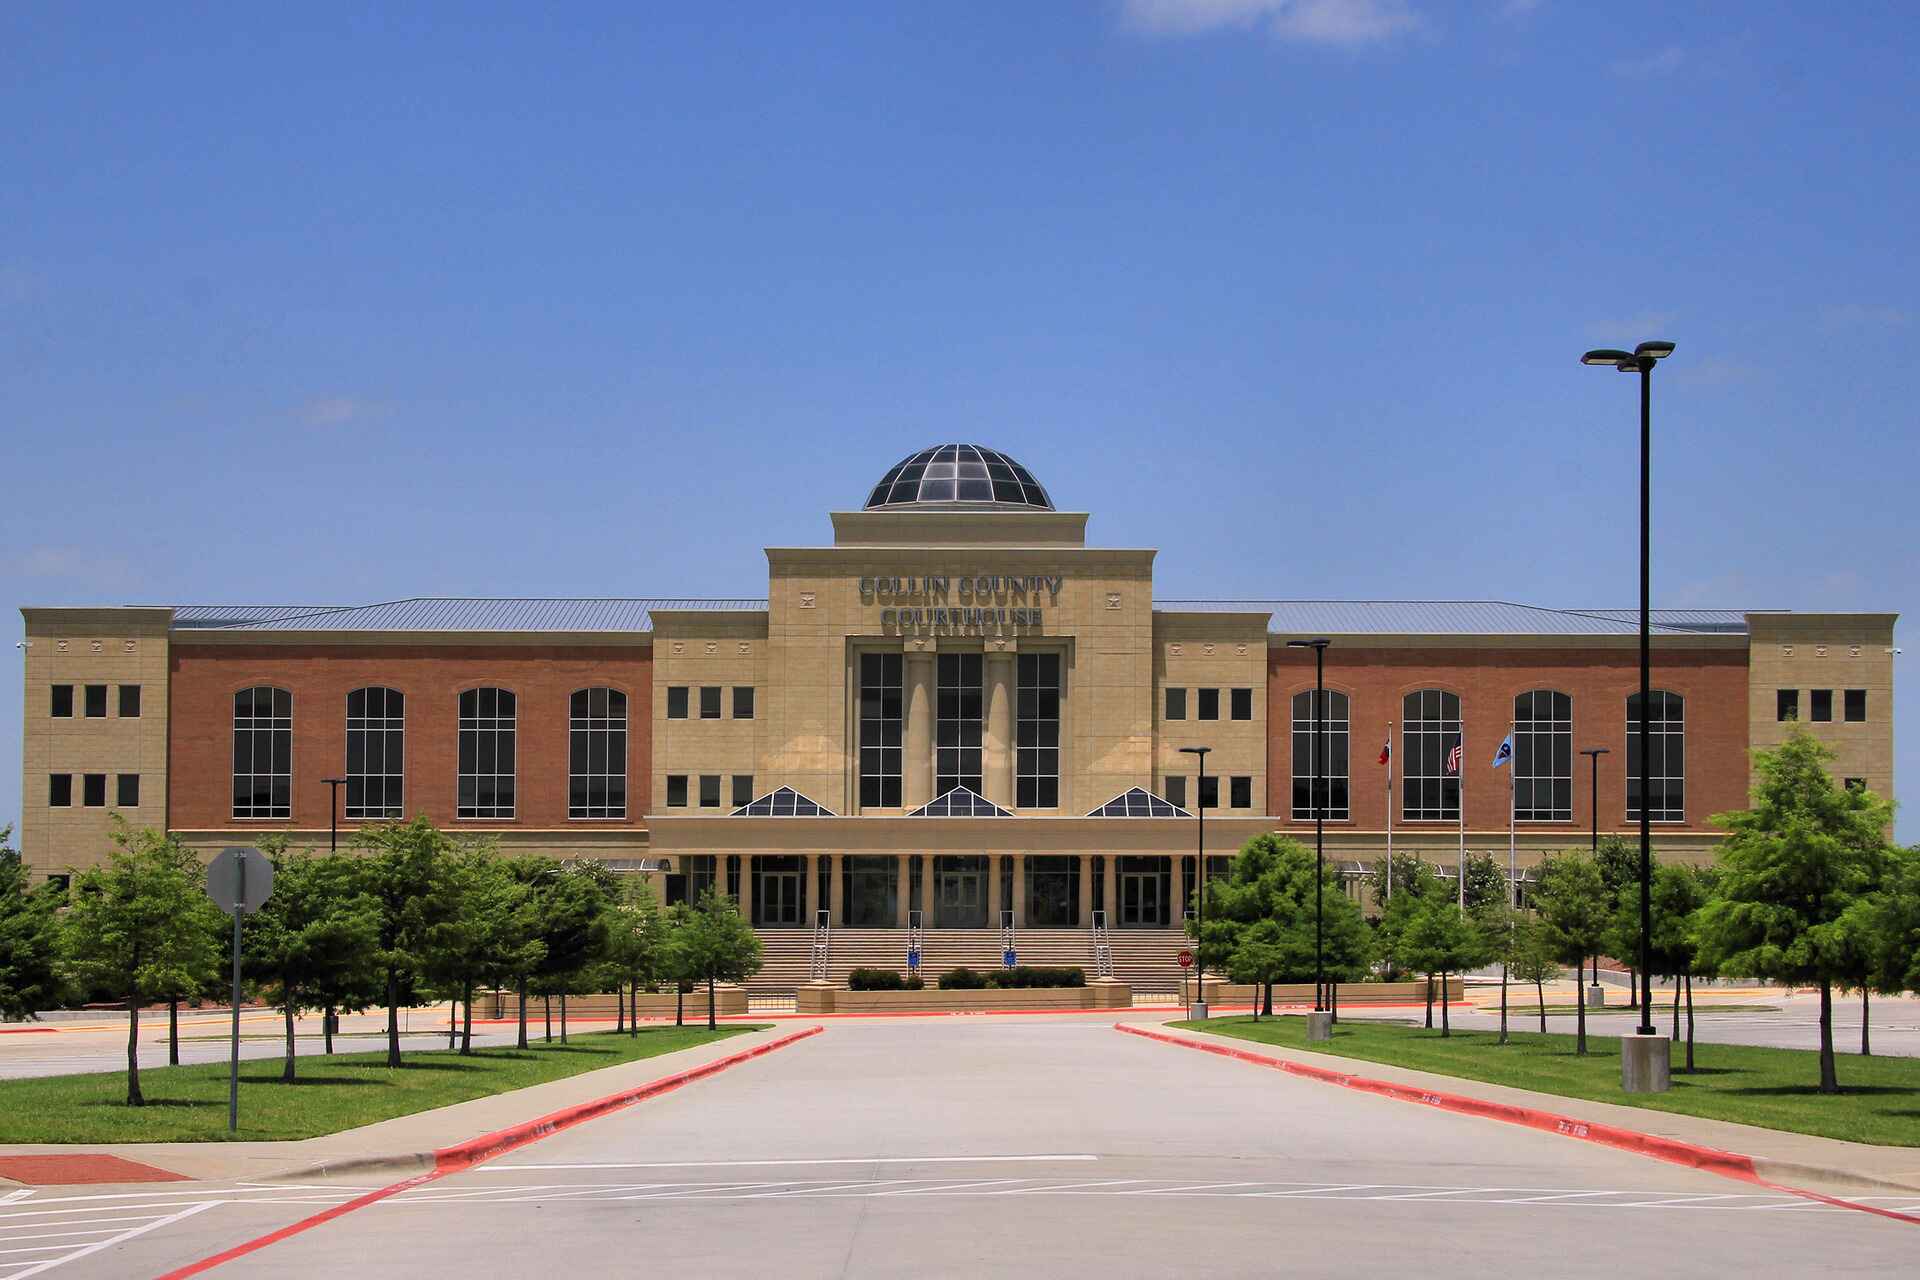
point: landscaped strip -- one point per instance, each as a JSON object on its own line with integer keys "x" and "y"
{"x": 1745, "y": 1084}
{"x": 189, "y": 1104}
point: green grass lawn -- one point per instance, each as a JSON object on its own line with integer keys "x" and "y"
{"x": 1774, "y": 1088}
{"x": 189, "y": 1104}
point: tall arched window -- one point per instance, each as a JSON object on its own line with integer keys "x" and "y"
{"x": 376, "y": 753}
{"x": 1543, "y": 757}
{"x": 597, "y": 754}
{"x": 1667, "y": 757}
{"x": 1334, "y": 778}
{"x": 1430, "y": 743}
{"x": 263, "y": 753}
{"x": 486, "y": 754}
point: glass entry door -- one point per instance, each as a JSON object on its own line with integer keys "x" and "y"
{"x": 960, "y": 893}
{"x": 779, "y": 893}
{"x": 1143, "y": 893}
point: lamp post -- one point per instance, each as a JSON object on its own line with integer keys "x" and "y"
{"x": 1593, "y": 754}
{"x": 333, "y": 813}
{"x": 1641, "y": 361}
{"x": 1319, "y": 647}
{"x": 1199, "y": 1007}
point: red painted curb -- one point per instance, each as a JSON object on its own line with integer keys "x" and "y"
{"x": 475, "y": 1151}
{"x": 1727, "y": 1164}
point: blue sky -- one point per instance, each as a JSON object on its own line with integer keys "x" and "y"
{"x": 352, "y": 304}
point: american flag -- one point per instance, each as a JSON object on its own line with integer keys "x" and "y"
{"x": 1453, "y": 759}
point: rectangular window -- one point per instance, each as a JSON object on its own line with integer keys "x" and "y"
{"x": 1240, "y": 792}
{"x": 1242, "y": 708}
{"x": 62, "y": 705}
{"x": 597, "y": 754}
{"x": 60, "y": 790}
{"x": 1176, "y": 704}
{"x": 676, "y": 702}
{"x": 1856, "y": 709}
{"x": 1210, "y": 791}
{"x": 1430, "y": 756}
{"x": 743, "y": 702}
{"x": 676, "y": 791}
{"x": 710, "y": 702}
{"x": 487, "y": 734}
{"x": 1173, "y": 790}
{"x": 1666, "y": 760}
{"x": 96, "y": 701}
{"x": 127, "y": 790}
{"x": 129, "y": 702}
{"x": 1820, "y": 705}
{"x": 1542, "y": 756}
{"x": 1334, "y": 776}
{"x": 709, "y": 791}
{"x": 262, "y": 753}
{"x": 1856, "y": 784}
{"x": 880, "y": 730}
{"x": 376, "y": 753}
{"x": 93, "y": 790}
{"x": 959, "y": 698}
{"x": 742, "y": 790}
{"x": 1037, "y": 768}
{"x": 1786, "y": 704}
{"x": 1209, "y": 708}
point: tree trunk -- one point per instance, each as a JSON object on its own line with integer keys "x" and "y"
{"x": 1579, "y": 1010}
{"x": 1689, "y": 1024}
{"x": 466, "y": 1025}
{"x": 1829, "y": 1080}
{"x": 1866, "y": 1044}
{"x": 453, "y": 1022}
{"x": 326, "y": 1028}
{"x": 710, "y": 1025}
{"x": 619, "y": 1007}
{"x": 134, "y": 1098}
{"x": 1333, "y": 1002}
{"x": 1540, "y": 991}
{"x": 1429, "y": 1002}
{"x": 1503, "y": 1002}
{"x": 1676, "y": 1009}
{"x": 521, "y": 1043}
{"x": 173, "y": 1030}
{"x": 679, "y": 1004}
{"x": 286, "y": 1071}
{"x": 1267, "y": 1000}
{"x": 1446, "y": 1023}
{"x": 546, "y": 1003}
{"x": 633, "y": 1002}
{"x": 1256, "y": 1002}
{"x": 393, "y": 1018}
{"x": 563, "y": 1017}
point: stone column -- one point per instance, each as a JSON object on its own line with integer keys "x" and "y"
{"x": 1019, "y": 904}
{"x": 903, "y": 881}
{"x": 997, "y": 756}
{"x": 1110, "y": 875}
{"x": 810, "y": 890}
{"x": 993, "y": 891}
{"x": 1086, "y": 891}
{"x": 916, "y": 758}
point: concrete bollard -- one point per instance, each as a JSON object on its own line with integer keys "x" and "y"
{"x": 1320, "y": 1024}
{"x": 1646, "y": 1063}
{"x": 1596, "y": 996}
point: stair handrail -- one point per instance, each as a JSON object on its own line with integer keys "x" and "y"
{"x": 1006, "y": 939}
{"x": 817, "y": 966}
{"x": 1102, "y": 947}
{"x": 915, "y": 937}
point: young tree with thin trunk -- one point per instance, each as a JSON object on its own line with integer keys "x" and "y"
{"x": 407, "y": 876}
{"x": 29, "y": 938}
{"x": 1791, "y": 867}
{"x": 570, "y": 903}
{"x": 476, "y": 933}
{"x": 1441, "y": 941}
{"x": 1882, "y": 934}
{"x": 1533, "y": 961}
{"x": 139, "y": 926}
{"x": 1679, "y": 892}
{"x": 634, "y": 943}
{"x": 1260, "y": 956}
{"x": 315, "y": 937}
{"x": 1574, "y": 911}
{"x": 719, "y": 945}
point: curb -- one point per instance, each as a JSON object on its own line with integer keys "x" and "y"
{"x": 1727, "y": 1164}
{"x": 476, "y": 1151}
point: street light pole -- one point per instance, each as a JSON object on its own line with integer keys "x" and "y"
{"x": 333, "y": 813}
{"x": 1593, "y": 754}
{"x": 1198, "y": 1009}
{"x": 1319, "y": 647}
{"x": 1641, "y": 361}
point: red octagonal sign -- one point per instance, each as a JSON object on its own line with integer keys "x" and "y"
{"x": 1186, "y": 959}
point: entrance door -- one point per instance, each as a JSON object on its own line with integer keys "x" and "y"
{"x": 1140, "y": 905}
{"x": 960, "y": 893}
{"x": 779, "y": 903}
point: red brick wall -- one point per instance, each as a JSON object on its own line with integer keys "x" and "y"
{"x": 205, "y": 678}
{"x": 1713, "y": 682}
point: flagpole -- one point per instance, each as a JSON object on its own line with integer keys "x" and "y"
{"x": 1461, "y": 773}
{"x": 1389, "y": 754}
{"x": 1513, "y": 882}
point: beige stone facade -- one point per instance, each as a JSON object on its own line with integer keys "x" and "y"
{"x": 1834, "y": 654}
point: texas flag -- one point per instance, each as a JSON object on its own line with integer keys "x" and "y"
{"x": 1505, "y": 753}
{"x": 1386, "y": 751}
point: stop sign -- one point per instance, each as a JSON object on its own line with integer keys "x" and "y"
{"x": 1186, "y": 959}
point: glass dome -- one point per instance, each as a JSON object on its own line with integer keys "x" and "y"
{"x": 960, "y": 477}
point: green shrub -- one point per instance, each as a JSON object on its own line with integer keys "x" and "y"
{"x": 963, "y": 980}
{"x": 1024, "y": 976}
{"x": 881, "y": 980}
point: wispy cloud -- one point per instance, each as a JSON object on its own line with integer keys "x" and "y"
{"x": 1661, "y": 62}
{"x": 1860, "y": 315}
{"x": 331, "y": 411}
{"x": 1327, "y": 22}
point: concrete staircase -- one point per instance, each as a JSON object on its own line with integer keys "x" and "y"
{"x": 1143, "y": 957}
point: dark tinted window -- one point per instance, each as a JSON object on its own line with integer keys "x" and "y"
{"x": 127, "y": 790}
{"x": 1210, "y": 792}
{"x": 1856, "y": 784}
{"x": 709, "y": 791}
{"x": 1242, "y": 704}
{"x": 60, "y": 790}
{"x": 676, "y": 791}
{"x": 129, "y": 702}
{"x": 62, "y": 700}
{"x": 1240, "y": 793}
{"x": 743, "y": 702}
{"x": 96, "y": 701}
{"x": 1176, "y": 704}
{"x": 676, "y": 702}
{"x": 262, "y": 753}
{"x": 376, "y": 752}
{"x": 1175, "y": 788}
{"x": 597, "y": 755}
{"x": 1820, "y": 704}
{"x": 1786, "y": 704}
{"x": 93, "y": 790}
{"x": 1856, "y": 704}
{"x": 710, "y": 702}
{"x": 742, "y": 789}
{"x": 1208, "y": 707}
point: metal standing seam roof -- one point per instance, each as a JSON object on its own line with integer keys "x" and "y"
{"x": 443, "y": 613}
{"x": 1458, "y": 617}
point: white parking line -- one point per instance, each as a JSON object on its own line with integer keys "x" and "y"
{"x": 49, "y": 1263}
{"x": 731, "y": 1164}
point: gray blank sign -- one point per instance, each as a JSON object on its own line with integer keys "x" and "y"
{"x": 224, "y": 880}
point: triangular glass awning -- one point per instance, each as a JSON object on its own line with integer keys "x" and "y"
{"x": 1138, "y": 802}
{"x": 960, "y": 803}
{"x": 784, "y": 802}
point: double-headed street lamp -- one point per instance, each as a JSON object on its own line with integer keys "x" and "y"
{"x": 1641, "y": 361}
{"x": 1198, "y": 1009}
{"x": 1594, "y": 754}
{"x": 1319, "y": 647}
{"x": 333, "y": 813}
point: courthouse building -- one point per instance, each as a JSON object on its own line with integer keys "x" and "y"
{"x": 957, "y": 722}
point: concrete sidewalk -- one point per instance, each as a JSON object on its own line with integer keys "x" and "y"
{"x": 1797, "y": 1158}
{"x": 395, "y": 1148}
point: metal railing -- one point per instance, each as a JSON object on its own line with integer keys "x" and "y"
{"x": 817, "y": 963}
{"x": 1008, "y": 955}
{"x": 1102, "y": 947}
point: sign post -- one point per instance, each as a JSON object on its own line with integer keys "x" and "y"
{"x": 1185, "y": 959}
{"x": 239, "y": 881}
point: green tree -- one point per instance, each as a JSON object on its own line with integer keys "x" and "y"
{"x": 635, "y": 942}
{"x": 1571, "y": 899}
{"x": 1619, "y": 863}
{"x": 316, "y": 936}
{"x": 1348, "y": 947}
{"x": 1414, "y": 883}
{"x": 1261, "y": 955}
{"x": 1442, "y": 940}
{"x": 137, "y": 926}
{"x": 1533, "y": 961}
{"x": 569, "y": 904}
{"x": 532, "y": 878}
{"x": 1487, "y": 887}
{"x": 406, "y": 874}
{"x": 718, "y": 945}
{"x": 1882, "y": 930}
{"x": 29, "y": 938}
{"x": 1499, "y": 926}
{"x": 1260, "y": 885}
{"x": 478, "y": 931}
{"x": 1791, "y": 867}
{"x": 1679, "y": 892}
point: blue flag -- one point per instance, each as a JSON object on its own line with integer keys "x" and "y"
{"x": 1505, "y": 753}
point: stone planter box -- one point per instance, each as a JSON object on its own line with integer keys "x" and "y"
{"x": 728, "y": 1001}
{"x": 1103, "y": 993}
{"x": 1351, "y": 993}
